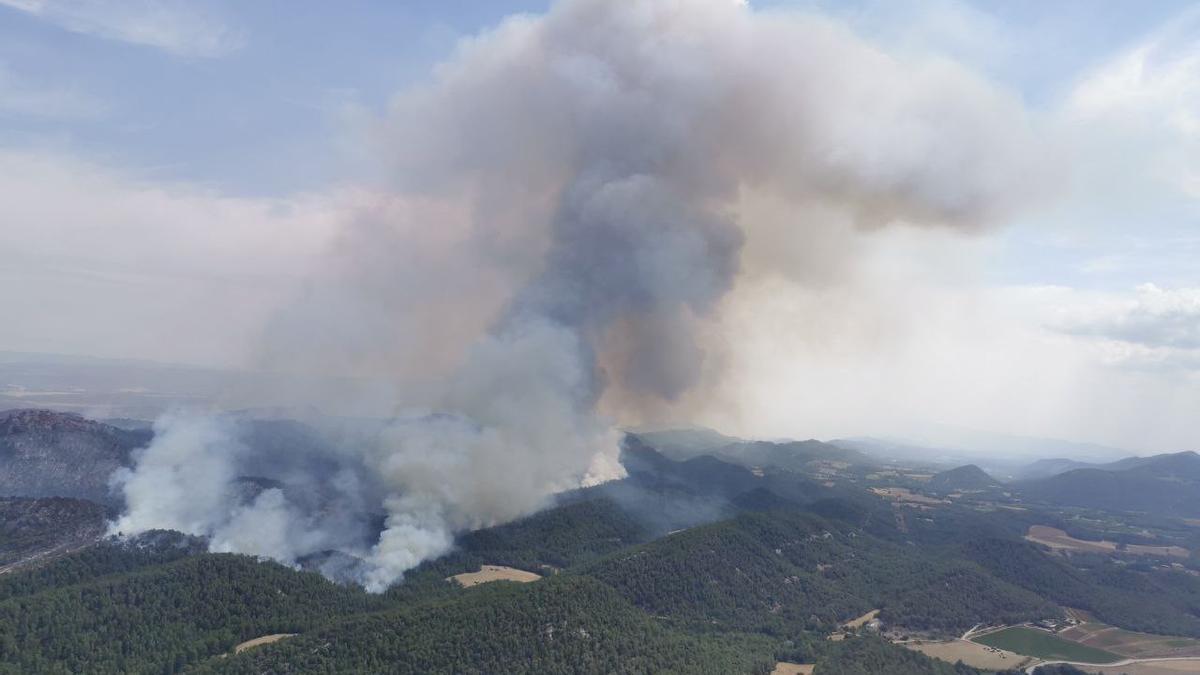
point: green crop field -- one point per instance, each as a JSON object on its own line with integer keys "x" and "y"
{"x": 1043, "y": 645}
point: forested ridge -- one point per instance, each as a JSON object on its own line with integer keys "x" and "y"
{"x": 779, "y": 571}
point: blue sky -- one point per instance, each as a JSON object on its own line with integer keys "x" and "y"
{"x": 255, "y": 99}
{"x": 261, "y": 99}
{"x": 173, "y": 161}
{"x": 253, "y": 105}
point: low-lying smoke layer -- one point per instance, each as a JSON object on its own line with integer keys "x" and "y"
{"x": 571, "y": 197}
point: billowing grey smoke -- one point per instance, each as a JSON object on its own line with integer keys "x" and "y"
{"x": 569, "y": 200}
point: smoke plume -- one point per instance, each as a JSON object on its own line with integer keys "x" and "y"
{"x": 568, "y": 201}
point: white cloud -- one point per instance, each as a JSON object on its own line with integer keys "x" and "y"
{"x": 1139, "y": 113}
{"x": 1158, "y": 79}
{"x": 174, "y": 26}
{"x": 111, "y": 264}
{"x": 1149, "y": 320}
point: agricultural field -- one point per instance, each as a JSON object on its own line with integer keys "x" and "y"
{"x": 1043, "y": 645}
{"x": 970, "y": 653}
{"x": 1131, "y": 644}
{"x": 1060, "y": 540}
{"x": 906, "y": 496}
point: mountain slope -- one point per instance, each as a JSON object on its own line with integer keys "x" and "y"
{"x": 1115, "y": 594}
{"x": 681, "y": 444}
{"x": 33, "y": 530}
{"x": 52, "y": 454}
{"x": 803, "y": 456}
{"x": 686, "y": 444}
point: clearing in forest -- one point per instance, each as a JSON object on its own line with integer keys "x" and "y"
{"x": 494, "y": 573}
{"x": 259, "y": 641}
{"x": 785, "y": 668}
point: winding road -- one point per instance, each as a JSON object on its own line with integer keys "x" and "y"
{"x": 1114, "y": 664}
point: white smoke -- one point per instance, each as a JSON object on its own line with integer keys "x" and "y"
{"x": 571, "y": 197}
{"x": 181, "y": 480}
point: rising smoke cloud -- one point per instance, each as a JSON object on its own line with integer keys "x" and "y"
{"x": 569, "y": 200}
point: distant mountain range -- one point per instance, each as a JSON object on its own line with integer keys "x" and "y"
{"x": 787, "y": 455}
{"x": 1007, "y": 455}
{"x": 1045, "y": 468}
{"x": 1164, "y": 484}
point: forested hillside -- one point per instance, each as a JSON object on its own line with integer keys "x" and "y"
{"x": 692, "y": 566}
{"x": 777, "y": 572}
{"x": 560, "y": 625}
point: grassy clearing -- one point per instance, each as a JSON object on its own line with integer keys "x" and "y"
{"x": 1043, "y": 645}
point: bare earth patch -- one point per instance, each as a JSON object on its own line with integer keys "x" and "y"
{"x": 260, "y": 641}
{"x": 494, "y": 573}
{"x": 975, "y": 655}
{"x": 785, "y": 668}
{"x": 862, "y": 620}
